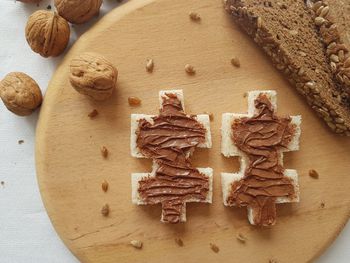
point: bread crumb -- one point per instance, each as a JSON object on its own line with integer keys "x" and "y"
{"x": 149, "y": 65}
{"x": 105, "y": 210}
{"x": 20, "y": 141}
{"x": 214, "y": 247}
{"x": 93, "y": 114}
{"x": 241, "y": 238}
{"x": 194, "y": 16}
{"x": 313, "y": 173}
{"x": 136, "y": 244}
{"x": 104, "y": 186}
{"x": 190, "y": 69}
{"x": 134, "y": 101}
{"x": 179, "y": 242}
{"x": 235, "y": 62}
{"x": 104, "y": 152}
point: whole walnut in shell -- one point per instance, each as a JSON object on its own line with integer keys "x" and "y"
{"x": 20, "y": 93}
{"x": 93, "y": 75}
{"x": 47, "y": 33}
{"x": 78, "y": 11}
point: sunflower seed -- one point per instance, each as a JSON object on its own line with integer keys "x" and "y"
{"x": 190, "y": 69}
{"x": 149, "y": 65}
{"x": 214, "y": 247}
{"x": 319, "y": 21}
{"x": 235, "y": 62}
{"x": 105, "y": 210}
{"x": 194, "y": 16}
{"x": 136, "y": 244}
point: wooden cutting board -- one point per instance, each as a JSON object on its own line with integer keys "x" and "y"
{"x": 70, "y": 166}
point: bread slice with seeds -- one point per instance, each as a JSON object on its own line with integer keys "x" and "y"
{"x": 309, "y": 42}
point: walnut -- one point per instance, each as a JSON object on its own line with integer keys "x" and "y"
{"x": 78, "y": 11}
{"x": 47, "y": 33}
{"x": 93, "y": 75}
{"x": 20, "y": 93}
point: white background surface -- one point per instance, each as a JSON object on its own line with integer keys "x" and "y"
{"x": 26, "y": 233}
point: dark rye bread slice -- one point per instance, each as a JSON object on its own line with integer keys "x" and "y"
{"x": 306, "y": 40}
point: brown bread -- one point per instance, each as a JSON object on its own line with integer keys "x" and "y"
{"x": 309, "y": 42}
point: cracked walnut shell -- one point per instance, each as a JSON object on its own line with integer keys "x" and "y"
{"x": 93, "y": 75}
{"x": 20, "y": 93}
{"x": 47, "y": 33}
{"x": 78, "y": 11}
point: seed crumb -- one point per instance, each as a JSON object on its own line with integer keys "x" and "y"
{"x": 194, "y": 16}
{"x": 235, "y": 62}
{"x": 105, "y": 186}
{"x": 136, "y": 244}
{"x": 241, "y": 238}
{"x": 104, "y": 152}
{"x": 214, "y": 247}
{"x": 313, "y": 174}
{"x": 20, "y": 141}
{"x": 105, "y": 210}
{"x": 190, "y": 69}
{"x": 93, "y": 114}
{"x": 134, "y": 101}
{"x": 323, "y": 205}
{"x": 149, "y": 65}
{"x": 179, "y": 242}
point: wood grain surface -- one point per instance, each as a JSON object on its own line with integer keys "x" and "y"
{"x": 71, "y": 169}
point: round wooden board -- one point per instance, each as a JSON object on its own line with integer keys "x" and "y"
{"x": 70, "y": 166}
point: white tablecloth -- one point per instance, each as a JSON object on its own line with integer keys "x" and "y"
{"x": 26, "y": 233}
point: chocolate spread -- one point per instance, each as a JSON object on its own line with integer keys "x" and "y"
{"x": 170, "y": 140}
{"x": 261, "y": 138}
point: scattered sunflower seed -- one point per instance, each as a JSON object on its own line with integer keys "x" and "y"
{"x": 313, "y": 173}
{"x": 93, "y": 114}
{"x": 241, "y": 238}
{"x": 214, "y": 247}
{"x": 104, "y": 152}
{"x": 190, "y": 69}
{"x": 105, "y": 210}
{"x": 105, "y": 186}
{"x": 134, "y": 101}
{"x": 149, "y": 65}
{"x": 20, "y": 141}
{"x": 136, "y": 244}
{"x": 235, "y": 62}
{"x": 179, "y": 242}
{"x": 194, "y": 16}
